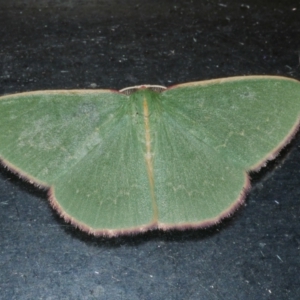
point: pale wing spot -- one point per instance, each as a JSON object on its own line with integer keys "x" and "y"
{"x": 181, "y": 188}
{"x": 224, "y": 145}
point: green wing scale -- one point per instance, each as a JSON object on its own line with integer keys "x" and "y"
{"x": 148, "y": 157}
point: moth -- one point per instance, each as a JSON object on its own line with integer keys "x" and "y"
{"x": 145, "y": 157}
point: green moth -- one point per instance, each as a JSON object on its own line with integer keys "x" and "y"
{"x": 119, "y": 162}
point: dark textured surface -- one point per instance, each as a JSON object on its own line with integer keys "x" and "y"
{"x": 115, "y": 44}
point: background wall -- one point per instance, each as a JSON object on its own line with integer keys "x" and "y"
{"x": 115, "y": 44}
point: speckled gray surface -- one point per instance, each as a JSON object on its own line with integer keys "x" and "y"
{"x": 115, "y": 44}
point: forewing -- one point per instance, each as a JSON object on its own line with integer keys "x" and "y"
{"x": 210, "y": 135}
{"x": 86, "y": 147}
